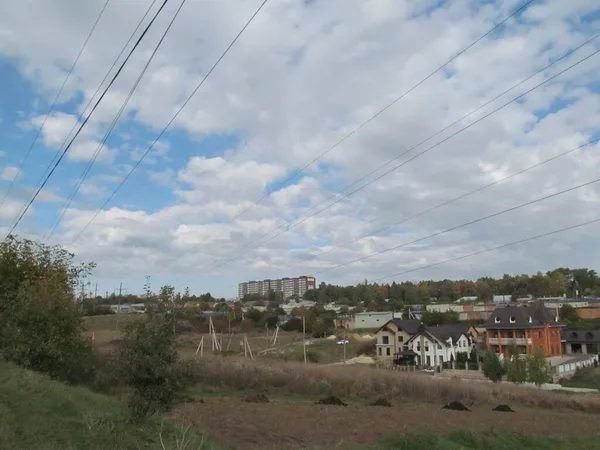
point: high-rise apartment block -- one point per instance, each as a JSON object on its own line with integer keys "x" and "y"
{"x": 289, "y": 287}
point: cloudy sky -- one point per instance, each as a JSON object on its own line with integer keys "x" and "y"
{"x": 218, "y": 200}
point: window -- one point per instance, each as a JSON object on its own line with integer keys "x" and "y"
{"x": 400, "y": 338}
{"x": 512, "y": 319}
{"x": 385, "y": 340}
{"x": 380, "y": 353}
{"x": 387, "y": 351}
{"x": 441, "y": 359}
{"x": 529, "y": 319}
{"x": 439, "y": 347}
{"x": 497, "y": 320}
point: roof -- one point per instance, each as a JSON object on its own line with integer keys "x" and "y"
{"x": 444, "y": 332}
{"x": 411, "y": 326}
{"x": 587, "y": 335}
{"x": 515, "y": 317}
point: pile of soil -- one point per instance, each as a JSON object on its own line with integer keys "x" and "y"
{"x": 331, "y": 400}
{"x": 503, "y": 408}
{"x": 381, "y": 401}
{"x": 456, "y": 406}
{"x": 258, "y": 398}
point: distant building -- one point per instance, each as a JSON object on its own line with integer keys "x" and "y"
{"x": 528, "y": 328}
{"x": 289, "y": 287}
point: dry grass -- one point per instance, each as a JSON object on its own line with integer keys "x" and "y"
{"x": 370, "y": 383}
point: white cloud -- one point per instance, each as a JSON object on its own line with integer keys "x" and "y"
{"x": 84, "y": 151}
{"x": 10, "y": 173}
{"x": 302, "y": 77}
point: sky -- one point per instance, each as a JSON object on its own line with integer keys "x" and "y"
{"x": 221, "y": 198}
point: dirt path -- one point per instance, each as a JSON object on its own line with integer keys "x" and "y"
{"x": 247, "y": 425}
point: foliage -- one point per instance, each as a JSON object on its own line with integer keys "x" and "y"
{"x": 538, "y": 371}
{"x": 149, "y": 361}
{"x": 439, "y": 318}
{"x": 516, "y": 366}
{"x": 367, "y": 348}
{"x": 38, "y": 413}
{"x": 492, "y": 367}
{"x": 587, "y": 377}
{"x": 40, "y": 323}
{"x": 568, "y": 315}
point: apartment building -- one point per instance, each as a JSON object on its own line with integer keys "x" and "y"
{"x": 289, "y": 287}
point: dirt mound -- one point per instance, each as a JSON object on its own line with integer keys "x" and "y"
{"x": 258, "y": 398}
{"x": 456, "y": 406}
{"x": 331, "y": 400}
{"x": 503, "y": 408}
{"x": 381, "y": 401}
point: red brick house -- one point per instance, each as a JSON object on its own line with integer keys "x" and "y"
{"x": 529, "y": 328}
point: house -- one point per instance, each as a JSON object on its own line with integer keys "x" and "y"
{"x": 528, "y": 328}
{"x": 436, "y": 345}
{"x": 372, "y": 319}
{"x": 580, "y": 341}
{"x": 392, "y": 336}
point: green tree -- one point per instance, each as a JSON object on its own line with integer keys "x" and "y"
{"x": 492, "y": 367}
{"x": 568, "y": 315}
{"x": 516, "y": 366}
{"x": 40, "y": 322}
{"x": 538, "y": 371}
{"x": 149, "y": 363}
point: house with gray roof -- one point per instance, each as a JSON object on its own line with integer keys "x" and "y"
{"x": 583, "y": 342}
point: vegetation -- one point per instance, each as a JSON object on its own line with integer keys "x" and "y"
{"x": 493, "y": 369}
{"x": 38, "y": 413}
{"x": 490, "y": 440}
{"x": 588, "y": 377}
{"x": 40, "y": 323}
{"x": 538, "y": 371}
{"x": 294, "y": 378}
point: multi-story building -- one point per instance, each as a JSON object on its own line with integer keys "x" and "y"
{"x": 528, "y": 328}
{"x": 289, "y": 287}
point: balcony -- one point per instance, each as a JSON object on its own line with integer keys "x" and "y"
{"x": 510, "y": 340}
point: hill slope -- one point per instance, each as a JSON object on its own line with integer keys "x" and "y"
{"x": 38, "y": 413}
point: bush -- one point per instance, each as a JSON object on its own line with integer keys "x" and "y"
{"x": 150, "y": 366}
{"x": 538, "y": 371}
{"x": 492, "y": 367}
{"x": 367, "y": 348}
{"x": 40, "y": 323}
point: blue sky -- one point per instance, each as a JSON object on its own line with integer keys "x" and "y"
{"x": 259, "y": 118}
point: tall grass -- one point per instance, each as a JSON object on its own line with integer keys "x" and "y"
{"x": 367, "y": 383}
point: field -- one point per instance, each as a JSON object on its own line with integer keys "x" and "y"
{"x": 37, "y": 413}
{"x": 290, "y": 418}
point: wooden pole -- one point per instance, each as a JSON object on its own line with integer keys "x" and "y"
{"x": 304, "y": 337}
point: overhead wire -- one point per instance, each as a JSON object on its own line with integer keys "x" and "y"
{"x": 136, "y": 165}
{"x": 66, "y": 149}
{"x": 107, "y": 134}
{"x": 509, "y": 244}
{"x": 387, "y": 227}
{"x": 457, "y": 227}
{"x": 53, "y": 105}
{"x": 413, "y": 157}
{"x": 377, "y": 114}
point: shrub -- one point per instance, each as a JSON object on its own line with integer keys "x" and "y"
{"x": 149, "y": 363}
{"x": 538, "y": 371}
{"x": 40, "y": 323}
{"x": 492, "y": 367}
{"x": 367, "y": 348}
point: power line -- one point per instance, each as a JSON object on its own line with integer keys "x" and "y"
{"x": 171, "y": 121}
{"x": 510, "y": 244}
{"x": 41, "y": 127}
{"x": 387, "y": 227}
{"x": 460, "y": 197}
{"x": 412, "y": 158}
{"x": 112, "y": 126}
{"x": 471, "y": 222}
{"x": 374, "y": 116}
{"x": 86, "y": 119}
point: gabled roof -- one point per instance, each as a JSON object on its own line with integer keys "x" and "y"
{"x": 514, "y": 317}
{"x": 411, "y": 326}
{"x": 587, "y": 336}
{"x": 454, "y": 331}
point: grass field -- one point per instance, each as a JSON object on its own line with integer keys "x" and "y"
{"x": 37, "y": 413}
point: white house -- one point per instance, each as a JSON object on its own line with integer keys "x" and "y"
{"x": 438, "y": 344}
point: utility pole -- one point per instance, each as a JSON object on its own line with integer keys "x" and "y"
{"x": 96, "y": 290}
{"x": 304, "y": 337}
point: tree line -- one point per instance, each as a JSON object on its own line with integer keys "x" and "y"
{"x": 374, "y": 297}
